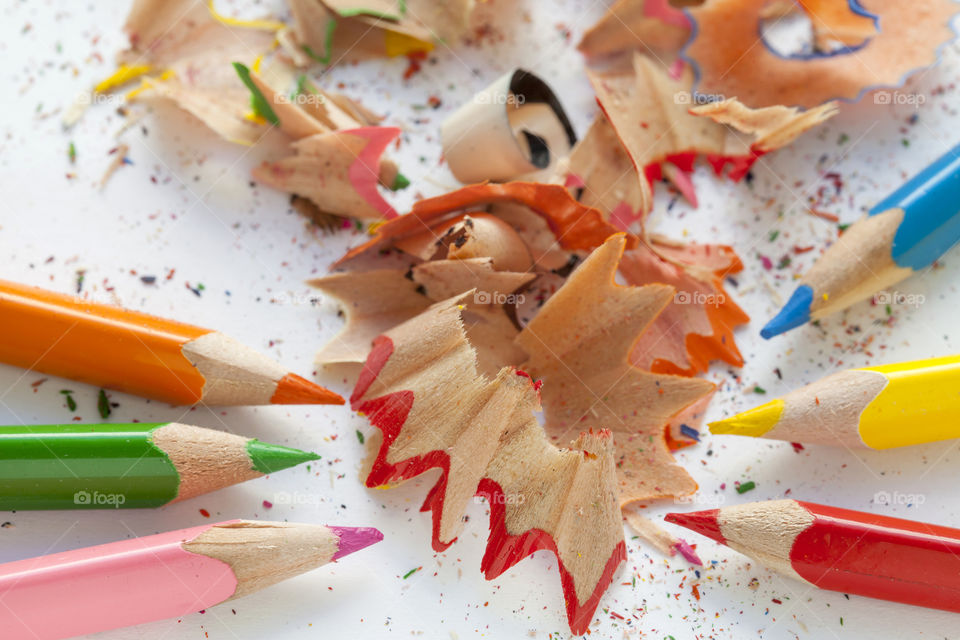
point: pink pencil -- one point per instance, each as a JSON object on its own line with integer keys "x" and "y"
{"x": 161, "y": 576}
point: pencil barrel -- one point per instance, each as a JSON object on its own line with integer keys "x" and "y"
{"x": 112, "y": 466}
{"x": 98, "y": 344}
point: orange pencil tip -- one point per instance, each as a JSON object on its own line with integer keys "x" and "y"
{"x": 703, "y": 522}
{"x": 292, "y": 389}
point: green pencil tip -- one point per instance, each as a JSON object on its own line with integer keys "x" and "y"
{"x": 400, "y": 182}
{"x": 267, "y": 458}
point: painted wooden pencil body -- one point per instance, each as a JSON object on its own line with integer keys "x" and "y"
{"x": 113, "y": 466}
{"x": 906, "y": 232}
{"x": 842, "y": 550}
{"x": 882, "y": 407}
{"x": 161, "y": 576}
{"x": 141, "y": 354}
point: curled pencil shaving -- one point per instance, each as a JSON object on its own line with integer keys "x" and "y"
{"x": 334, "y": 31}
{"x": 697, "y": 325}
{"x": 580, "y": 345}
{"x": 337, "y": 148}
{"x": 470, "y": 235}
{"x": 188, "y": 54}
{"x": 420, "y": 387}
{"x": 573, "y": 225}
{"x": 651, "y": 114}
{"x": 375, "y": 301}
{"x": 514, "y": 129}
{"x": 337, "y": 161}
{"x": 339, "y": 171}
{"x": 885, "y": 41}
{"x": 547, "y": 219}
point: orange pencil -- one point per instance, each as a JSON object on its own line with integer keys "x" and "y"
{"x": 141, "y": 354}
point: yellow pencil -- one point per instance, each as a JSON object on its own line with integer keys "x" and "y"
{"x": 893, "y": 405}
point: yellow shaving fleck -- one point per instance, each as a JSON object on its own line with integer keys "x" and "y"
{"x": 400, "y": 44}
{"x": 252, "y": 117}
{"x": 121, "y": 76}
{"x": 145, "y": 84}
{"x": 372, "y": 229}
{"x": 266, "y": 25}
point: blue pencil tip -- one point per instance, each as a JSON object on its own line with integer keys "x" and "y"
{"x": 793, "y": 314}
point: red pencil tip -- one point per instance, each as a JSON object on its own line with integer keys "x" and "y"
{"x": 353, "y": 539}
{"x": 703, "y": 522}
{"x": 292, "y": 389}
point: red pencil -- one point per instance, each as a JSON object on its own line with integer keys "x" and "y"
{"x": 842, "y": 550}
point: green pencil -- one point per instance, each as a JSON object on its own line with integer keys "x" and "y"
{"x": 129, "y": 466}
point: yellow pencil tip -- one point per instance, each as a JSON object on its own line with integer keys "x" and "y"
{"x": 755, "y": 422}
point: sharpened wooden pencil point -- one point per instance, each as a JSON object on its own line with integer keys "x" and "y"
{"x": 703, "y": 522}
{"x": 267, "y": 458}
{"x": 167, "y": 575}
{"x": 137, "y": 353}
{"x": 754, "y": 422}
{"x": 293, "y": 389}
{"x": 853, "y": 552}
{"x": 353, "y": 539}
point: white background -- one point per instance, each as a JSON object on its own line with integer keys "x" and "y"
{"x": 186, "y": 203}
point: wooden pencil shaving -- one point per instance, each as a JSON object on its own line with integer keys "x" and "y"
{"x": 650, "y": 112}
{"x": 421, "y": 388}
{"x": 338, "y": 31}
{"x": 883, "y": 42}
{"x": 580, "y": 345}
{"x": 653, "y": 26}
{"x": 697, "y": 326}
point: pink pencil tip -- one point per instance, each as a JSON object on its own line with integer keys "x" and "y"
{"x": 684, "y": 548}
{"x": 703, "y": 522}
{"x": 354, "y": 538}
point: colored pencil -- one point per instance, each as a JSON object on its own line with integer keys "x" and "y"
{"x": 893, "y": 405}
{"x": 841, "y": 550}
{"x": 167, "y": 575}
{"x": 141, "y": 354}
{"x": 907, "y": 231}
{"x": 113, "y": 466}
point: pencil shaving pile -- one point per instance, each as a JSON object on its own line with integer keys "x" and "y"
{"x": 422, "y": 387}
{"x": 510, "y": 279}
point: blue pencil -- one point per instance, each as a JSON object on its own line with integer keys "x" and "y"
{"x": 906, "y": 232}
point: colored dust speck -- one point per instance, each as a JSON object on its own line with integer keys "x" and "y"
{"x": 359, "y": 436}
{"x": 746, "y": 486}
{"x": 411, "y": 572}
{"x": 71, "y": 403}
{"x": 204, "y": 513}
{"x": 103, "y": 404}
